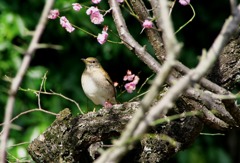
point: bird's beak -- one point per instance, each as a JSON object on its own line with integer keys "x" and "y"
{"x": 83, "y": 59}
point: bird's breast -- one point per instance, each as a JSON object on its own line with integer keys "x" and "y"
{"x": 90, "y": 85}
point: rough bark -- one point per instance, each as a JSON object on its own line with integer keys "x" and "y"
{"x": 80, "y": 139}
{"x": 226, "y": 72}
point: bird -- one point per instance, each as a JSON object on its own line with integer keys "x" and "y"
{"x": 97, "y": 84}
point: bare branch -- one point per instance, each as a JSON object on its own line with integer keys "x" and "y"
{"x": 115, "y": 153}
{"x": 180, "y": 69}
{"x": 233, "y": 5}
{"x": 193, "y": 76}
{"x": 129, "y": 41}
{"x": 29, "y": 111}
{"x": 18, "y": 79}
{"x": 157, "y": 44}
{"x": 172, "y": 48}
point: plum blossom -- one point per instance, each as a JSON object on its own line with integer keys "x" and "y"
{"x": 107, "y": 105}
{"x": 96, "y": 1}
{"x": 134, "y": 79}
{"x": 131, "y": 86}
{"x": 102, "y": 38}
{"x": 96, "y": 18}
{"x": 129, "y": 76}
{"x": 184, "y": 2}
{"x": 76, "y": 6}
{"x": 95, "y": 15}
{"x": 53, "y": 14}
{"x": 115, "y": 84}
{"x": 65, "y": 24}
{"x": 147, "y": 24}
{"x": 92, "y": 10}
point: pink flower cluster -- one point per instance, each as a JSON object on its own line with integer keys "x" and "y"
{"x": 147, "y": 24}
{"x": 134, "y": 79}
{"x": 95, "y": 15}
{"x": 53, "y": 14}
{"x": 65, "y": 24}
{"x": 76, "y": 6}
{"x": 108, "y": 105}
{"x": 102, "y": 38}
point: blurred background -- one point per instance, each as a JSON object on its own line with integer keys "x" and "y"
{"x": 61, "y": 56}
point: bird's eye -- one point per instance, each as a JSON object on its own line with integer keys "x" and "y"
{"x": 93, "y": 61}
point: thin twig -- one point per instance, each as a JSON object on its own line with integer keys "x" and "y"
{"x": 41, "y": 86}
{"x": 53, "y": 93}
{"x": 191, "y": 19}
{"x": 174, "y": 117}
{"x": 171, "y": 7}
{"x": 69, "y": 99}
{"x": 147, "y": 79}
{"x": 212, "y": 134}
{"x": 29, "y": 111}
{"x": 18, "y": 144}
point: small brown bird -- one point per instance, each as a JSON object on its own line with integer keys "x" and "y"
{"x": 97, "y": 84}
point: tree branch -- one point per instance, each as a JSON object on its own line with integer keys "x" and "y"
{"x": 193, "y": 76}
{"x": 155, "y": 40}
{"x": 115, "y": 153}
{"x": 18, "y": 79}
{"x": 80, "y": 139}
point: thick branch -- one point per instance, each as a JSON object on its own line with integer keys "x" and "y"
{"x": 153, "y": 35}
{"x": 80, "y": 139}
{"x": 129, "y": 41}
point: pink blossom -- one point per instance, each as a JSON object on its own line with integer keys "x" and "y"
{"x": 129, "y": 76}
{"x": 184, "y": 2}
{"x": 102, "y": 38}
{"x": 108, "y": 105}
{"x": 53, "y": 14}
{"x": 129, "y": 72}
{"x": 147, "y": 24}
{"x": 115, "y": 84}
{"x": 92, "y": 10}
{"x": 76, "y": 6}
{"x": 120, "y": 1}
{"x": 65, "y": 24}
{"x": 96, "y": 1}
{"x": 64, "y": 21}
{"x": 96, "y": 18}
{"x": 130, "y": 87}
{"x": 95, "y": 15}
